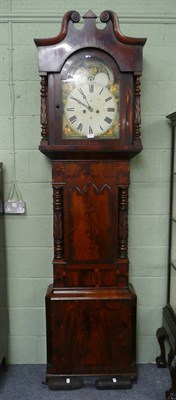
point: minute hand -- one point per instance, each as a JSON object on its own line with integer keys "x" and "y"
{"x": 80, "y": 102}
{"x": 85, "y": 98}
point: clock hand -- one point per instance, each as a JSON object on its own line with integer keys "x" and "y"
{"x": 80, "y": 102}
{"x": 85, "y": 98}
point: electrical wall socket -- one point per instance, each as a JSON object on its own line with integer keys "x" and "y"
{"x": 14, "y": 207}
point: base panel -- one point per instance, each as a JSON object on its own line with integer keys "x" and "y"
{"x": 91, "y": 332}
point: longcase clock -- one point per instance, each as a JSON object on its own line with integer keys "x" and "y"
{"x": 90, "y": 119}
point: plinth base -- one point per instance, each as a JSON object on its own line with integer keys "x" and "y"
{"x": 91, "y": 332}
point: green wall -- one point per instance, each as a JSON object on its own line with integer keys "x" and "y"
{"x": 29, "y": 238}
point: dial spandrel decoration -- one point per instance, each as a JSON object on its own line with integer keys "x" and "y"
{"x": 90, "y": 97}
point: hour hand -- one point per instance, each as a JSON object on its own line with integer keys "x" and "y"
{"x": 85, "y": 98}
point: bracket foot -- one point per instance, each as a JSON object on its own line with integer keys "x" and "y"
{"x": 113, "y": 383}
{"x": 66, "y": 383}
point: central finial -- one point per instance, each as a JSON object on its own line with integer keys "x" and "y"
{"x": 89, "y": 14}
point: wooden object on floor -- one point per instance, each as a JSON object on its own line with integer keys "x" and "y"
{"x": 90, "y": 127}
{"x": 168, "y": 330}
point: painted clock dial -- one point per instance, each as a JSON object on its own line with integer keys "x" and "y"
{"x": 90, "y": 101}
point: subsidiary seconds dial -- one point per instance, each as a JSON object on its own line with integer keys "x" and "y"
{"x": 90, "y": 109}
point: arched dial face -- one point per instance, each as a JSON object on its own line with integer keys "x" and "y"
{"x": 91, "y": 102}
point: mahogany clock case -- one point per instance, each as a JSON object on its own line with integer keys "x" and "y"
{"x": 90, "y": 307}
